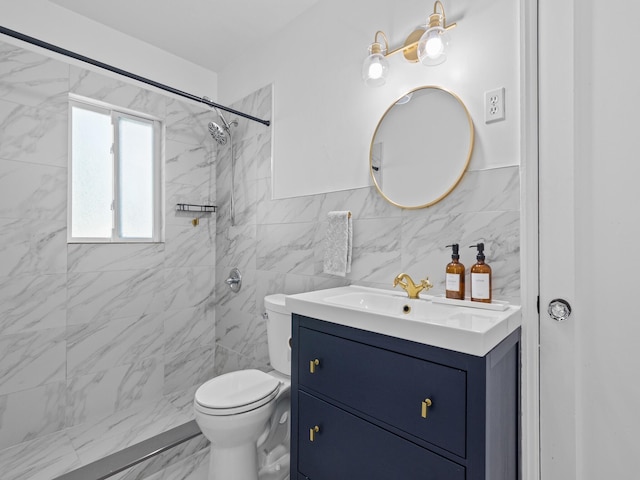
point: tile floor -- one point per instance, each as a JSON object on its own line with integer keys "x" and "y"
{"x": 55, "y": 454}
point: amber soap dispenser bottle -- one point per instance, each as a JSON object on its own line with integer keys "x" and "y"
{"x": 455, "y": 275}
{"x": 480, "y": 277}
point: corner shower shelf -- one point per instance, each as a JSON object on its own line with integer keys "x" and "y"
{"x": 186, "y": 207}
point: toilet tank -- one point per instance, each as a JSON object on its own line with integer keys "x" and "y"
{"x": 278, "y": 332}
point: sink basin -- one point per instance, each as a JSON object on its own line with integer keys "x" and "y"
{"x": 388, "y": 304}
{"x": 461, "y": 328}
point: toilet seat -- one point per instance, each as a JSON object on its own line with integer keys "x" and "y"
{"x": 236, "y": 392}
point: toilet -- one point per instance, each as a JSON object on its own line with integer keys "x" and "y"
{"x": 245, "y": 414}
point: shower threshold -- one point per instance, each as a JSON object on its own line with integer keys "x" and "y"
{"x": 129, "y": 457}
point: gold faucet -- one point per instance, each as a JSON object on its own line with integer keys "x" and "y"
{"x": 410, "y": 287}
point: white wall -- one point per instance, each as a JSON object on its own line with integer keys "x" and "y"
{"x": 51, "y": 23}
{"x": 324, "y": 116}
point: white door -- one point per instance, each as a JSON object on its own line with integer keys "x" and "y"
{"x": 589, "y": 193}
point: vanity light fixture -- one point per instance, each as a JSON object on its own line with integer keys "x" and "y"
{"x": 427, "y": 44}
{"x": 375, "y": 68}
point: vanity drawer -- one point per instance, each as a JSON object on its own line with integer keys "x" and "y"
{"x": 388, "y": 386}
{"x": 347, "y": 447}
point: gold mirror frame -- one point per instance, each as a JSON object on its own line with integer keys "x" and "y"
{"x": 456, "y": 174}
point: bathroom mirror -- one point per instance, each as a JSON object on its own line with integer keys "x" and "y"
{"x": 421, "y": 147}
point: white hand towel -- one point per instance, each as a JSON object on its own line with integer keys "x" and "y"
{"x": 338, "y": 244}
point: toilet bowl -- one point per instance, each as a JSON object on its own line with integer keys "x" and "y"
{"x": 245, "y": 411}
{"x": 274, "y": 447}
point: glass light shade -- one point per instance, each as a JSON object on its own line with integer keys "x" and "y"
{"x": 375, "y": 69}
{"x": 433, "y": 46}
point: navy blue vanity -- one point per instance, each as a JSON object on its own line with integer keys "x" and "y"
{"x": 366, "y": 405}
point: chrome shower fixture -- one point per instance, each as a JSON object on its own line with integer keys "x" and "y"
{"x": 221, "y": 135}
{"x": 218, "y": 134}
{"x": 227, "y": 125}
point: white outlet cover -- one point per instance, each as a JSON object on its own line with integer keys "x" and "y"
{"x": 494, "y": 105}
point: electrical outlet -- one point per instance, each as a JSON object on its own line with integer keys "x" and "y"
{"x": 494, "y": 105}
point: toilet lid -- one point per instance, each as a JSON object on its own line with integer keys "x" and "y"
{"x": 243, "y": 388}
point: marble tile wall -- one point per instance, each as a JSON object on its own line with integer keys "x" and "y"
{"x": 87, "y": 330}
{"x": 278, "y": 244}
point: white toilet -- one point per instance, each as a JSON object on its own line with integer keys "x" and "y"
{"x": 243, "y": 411}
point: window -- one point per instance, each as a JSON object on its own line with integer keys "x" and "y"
{"x": 114, "y": 176}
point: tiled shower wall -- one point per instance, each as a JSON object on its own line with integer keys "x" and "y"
{"x": 86, "y": 330}
{"x": 278, "y": 244}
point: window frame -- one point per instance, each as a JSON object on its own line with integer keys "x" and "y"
{"x": 115, "y": 113}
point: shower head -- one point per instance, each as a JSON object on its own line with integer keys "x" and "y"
{"x": 218, "y": 134}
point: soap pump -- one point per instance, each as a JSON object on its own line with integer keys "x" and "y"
{"x": 480, "y": 277}
{"x": 455, "y": 275}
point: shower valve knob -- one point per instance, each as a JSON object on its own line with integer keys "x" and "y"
{"x": 235, "y": 280}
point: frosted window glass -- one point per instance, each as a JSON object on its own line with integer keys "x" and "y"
{"x": 136, "y": 178}
{"x": 115, "y": 176}
{"x": 92, "y": 174}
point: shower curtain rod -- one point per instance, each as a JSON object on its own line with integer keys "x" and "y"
{"x": 119, "y": 71}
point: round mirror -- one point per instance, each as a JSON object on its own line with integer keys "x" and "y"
{"x": 421, "y": 147}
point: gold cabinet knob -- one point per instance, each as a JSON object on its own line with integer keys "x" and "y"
{"x": 312, "y": 433}
{"x": 313, "y": 364}
{"x": 425, "y": 406}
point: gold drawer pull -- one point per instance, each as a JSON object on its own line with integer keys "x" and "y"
{"x": 425, "y": 406}
{"x": 312, "y": 366}
{"x": 312, "y": 433}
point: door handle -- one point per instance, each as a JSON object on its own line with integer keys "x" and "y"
{"x": 559, "y": 309}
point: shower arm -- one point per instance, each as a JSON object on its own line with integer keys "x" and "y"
{"x": 124, "y": 73}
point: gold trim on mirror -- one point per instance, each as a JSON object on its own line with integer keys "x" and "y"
{"x": 375, "y": 170}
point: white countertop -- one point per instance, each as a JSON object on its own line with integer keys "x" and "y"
{"x": 455, "y": 327}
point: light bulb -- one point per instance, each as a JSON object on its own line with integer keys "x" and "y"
{"x": 375, "y": 70}
{"x": 375, "y": 67}
{"x": 433, "y": 46}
